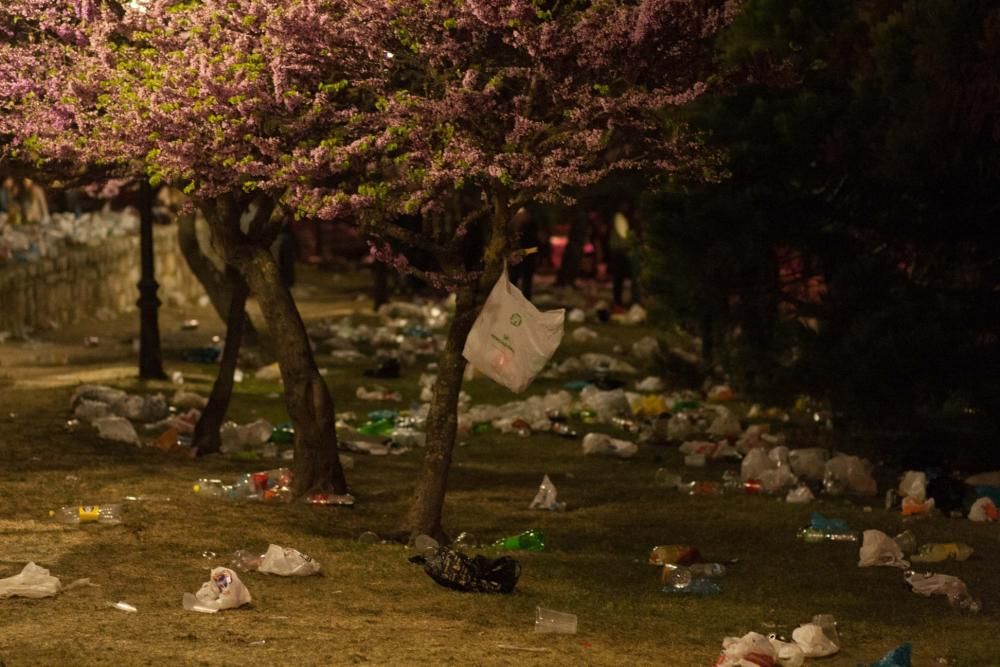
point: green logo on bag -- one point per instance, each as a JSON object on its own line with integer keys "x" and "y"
{"x": 515, "y": 320}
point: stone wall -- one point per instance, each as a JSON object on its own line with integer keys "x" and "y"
{"x": 95, "y": 281}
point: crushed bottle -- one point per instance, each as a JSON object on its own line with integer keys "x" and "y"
{"x": 75, "y": 515}
{"x": 686, "y": 586}
{"x": 934, "y": 552}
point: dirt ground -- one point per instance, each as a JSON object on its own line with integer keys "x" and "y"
{"x": 371, "y": 606}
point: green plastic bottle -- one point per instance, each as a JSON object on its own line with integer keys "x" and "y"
{"x": 529, "y": 540}
{"x": 379, "y": 427}
{"x": 283, "y": 433}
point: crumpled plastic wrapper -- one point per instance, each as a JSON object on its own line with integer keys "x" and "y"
{"x": 545, "y": 499}
{"x": 34, "y": 581}
{"x": 223, "y": 590}
{"x": 813, "y": 641}
{"x": 287, "y": 562}
{"x": 877, "y": 548}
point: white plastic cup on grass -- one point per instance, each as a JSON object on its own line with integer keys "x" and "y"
{"x": 551, "y": 621}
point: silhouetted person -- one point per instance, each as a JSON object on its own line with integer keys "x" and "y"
{"x": 621, "y": 244}
{"x": 526, "y": 237}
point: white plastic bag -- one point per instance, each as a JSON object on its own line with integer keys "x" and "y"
{"x": 787, "y": 654}
{"x": 853, "y": 473}
{"x": 118, "y": 429}
{"x": 223, "y": 590}
{"x": 33, "y": 581}
{"x": 813, "y": 641}
{"x": 752, "y": 648}
{"x": 913, "y": 485}
{"x": 983, "y": 510}
{"x": 511, "y": 340}
{"x": 598, "y": 444}
{"x": 545, "y": 499}
{"x": 809, "y": 462}
{"x": 725, "y": 424}
{"x": 877, "y": 548}
{"x": 646, "y": 349}
{"x": 606, "y": 404}
{"x": 754, "y": 464}
{"x": 287, "y": 562}
{"x": 800, "y": 494}
{"x": 650, "y": 383}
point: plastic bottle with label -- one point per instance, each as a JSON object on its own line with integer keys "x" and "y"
{"x": 935, "y": 552}
{"x": 529, "y": 540}
{"x": 77, "y": 514}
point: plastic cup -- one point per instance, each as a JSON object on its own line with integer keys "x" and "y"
{"x": 551, "y": 621}
{"x": 425, "y": 544}
{"x": 829, "y": 625}
{"x": 695, "y": 460}
{"x": 667, "y": 478}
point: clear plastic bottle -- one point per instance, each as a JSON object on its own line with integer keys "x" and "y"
{"x": 77, "y": 514}
{"x": 693, "y": 587}
{"x": 963, "y": 601}
{"x": 245, "y": 559}
{"x": 709, "y": 570}
{"x": 813, "y": 535}
{"x": 906, "y": 541}
{"x": 210, "y": 487}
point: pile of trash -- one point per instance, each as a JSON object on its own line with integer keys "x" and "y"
{"x": 31, "y": 242}
{"x": 112, "y": 412}
{"x": 408, "y": 332}
{"x": 269, "y": 486}
{"x": 816, "y": 639}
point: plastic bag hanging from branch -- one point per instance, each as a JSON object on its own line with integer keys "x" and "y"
{"x": 511, "y": 340}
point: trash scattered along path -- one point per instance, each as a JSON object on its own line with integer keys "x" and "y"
{"x": 720, "y": 495}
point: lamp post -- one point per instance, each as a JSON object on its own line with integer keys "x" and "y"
{"x": 150, "y": 355}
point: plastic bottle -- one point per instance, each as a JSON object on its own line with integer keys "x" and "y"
{"x": 693, "y": 587}
{"x": 408, "y": 437}
{"x": 672, "y": 574}
{"x": 245, "y": 559}
{"x": 814, "y": 535}
{"x": 963, "y": 601}
{"x": 560, "y": 428}
{"x": 211, "y": 487}
{"x": 529, "y": 540}
{"x": 936, "y": 552}
{"x": 283, "y": 433}
{"x": 379, "y": 427}
{"x": 77, "y": 514}
{"x": 906, "y": 541}
{"x": 702, "y": 488}
{"x": 709, "y": 570}
{"x": 667, "y": 478}
{"x": 466, "y": 540}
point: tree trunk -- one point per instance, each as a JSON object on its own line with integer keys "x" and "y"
{"x": 206, "y": 433}
{"x": 424, "y": 516}
{"x": 317, "y": 462}
{"x": 217, "y": 285}
{"x": 307, "y": 398}
{"x": 426, "y": 509}
{"x": 569, "y": 269}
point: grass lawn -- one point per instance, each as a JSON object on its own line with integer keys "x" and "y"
{"x": 372, "y": 606}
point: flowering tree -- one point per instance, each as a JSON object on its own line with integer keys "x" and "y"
{"x": 221, "y": 99}
{"x": 494, "y": 104}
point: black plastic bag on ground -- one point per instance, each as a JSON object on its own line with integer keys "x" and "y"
{"x": 454, "y": 569}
